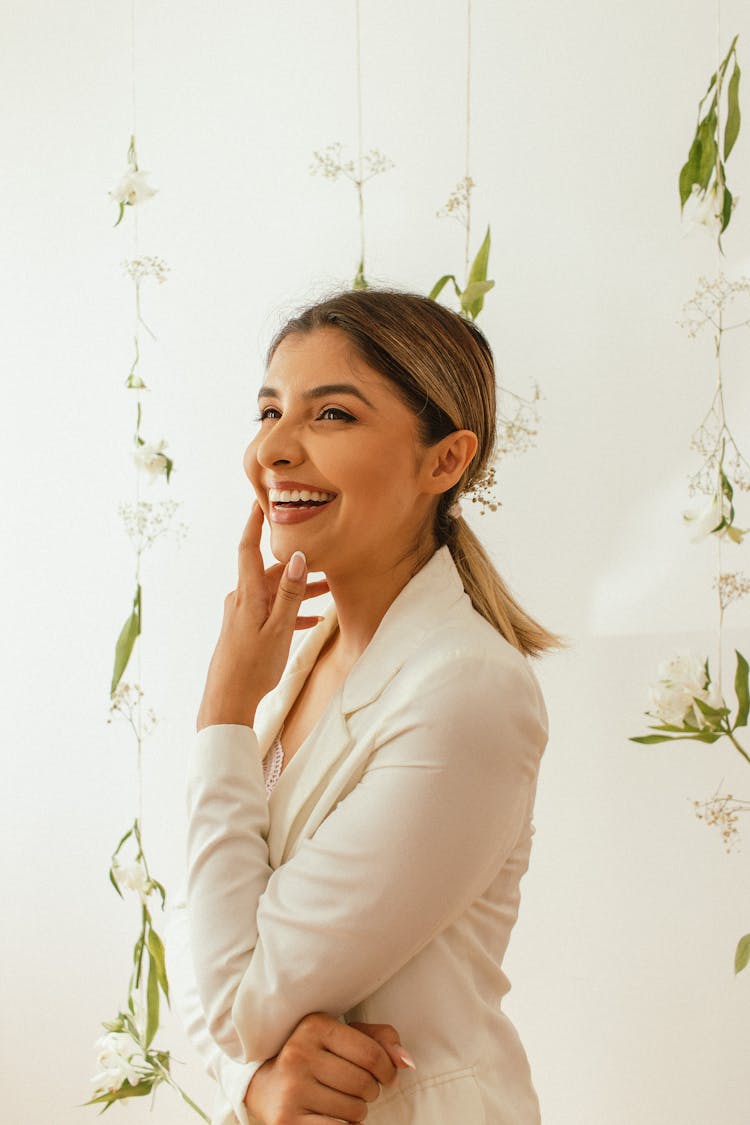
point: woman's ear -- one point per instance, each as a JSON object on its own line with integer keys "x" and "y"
{"x": 448, "y": 460}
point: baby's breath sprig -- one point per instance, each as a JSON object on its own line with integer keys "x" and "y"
{"x": 517, "y": 427}
{"x": 330, "y": 163}
{"x": 482, "y": 491}
{"x": 722, "y": 811}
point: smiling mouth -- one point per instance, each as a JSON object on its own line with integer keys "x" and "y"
{"x": 299, "y": 499}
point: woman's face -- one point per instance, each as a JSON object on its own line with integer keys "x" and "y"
{"x": 336, "y": 464}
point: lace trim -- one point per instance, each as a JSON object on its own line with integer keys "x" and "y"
{"x": 272, "y": 763}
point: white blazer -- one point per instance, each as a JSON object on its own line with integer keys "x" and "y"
{"x": 380, "y": 882}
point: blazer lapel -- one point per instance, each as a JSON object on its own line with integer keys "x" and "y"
{"x": 327, "y": 764}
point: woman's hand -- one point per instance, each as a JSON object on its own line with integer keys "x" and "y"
{"x": 325, "y": 1073}
{"x": 260, "y": 617}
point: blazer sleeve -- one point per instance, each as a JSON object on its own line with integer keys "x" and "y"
{"x": 447, "y": 790}
{"x": 232, "y": 1077}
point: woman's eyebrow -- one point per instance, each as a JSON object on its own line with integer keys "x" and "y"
{"x": 321, "y": 392}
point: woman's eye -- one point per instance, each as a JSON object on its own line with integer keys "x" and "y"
{"x": 334, "y": 414}
{"x": 269, "y": 410}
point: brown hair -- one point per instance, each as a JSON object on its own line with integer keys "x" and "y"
{"x": 442, "y": 368}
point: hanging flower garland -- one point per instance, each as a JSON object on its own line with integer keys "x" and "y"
{"x": 687, "y": 701}
{"x": 130, "y": 1063}
{"x": 331, "y": 163}
{"x": 518, "y": 417}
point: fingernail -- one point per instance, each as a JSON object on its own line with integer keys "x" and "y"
{"x": 404, "y": 1055}
{"x": 297, "y": 566}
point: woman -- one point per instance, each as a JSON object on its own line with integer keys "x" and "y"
{"x": 369, "y": 898}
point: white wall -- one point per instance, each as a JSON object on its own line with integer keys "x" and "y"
{"x": 622, "y": 959}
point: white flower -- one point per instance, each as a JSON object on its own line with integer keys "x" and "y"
{"x": 132, "y": 188}
{"x": 682, "y": 680}
{"x": 707, "y": 208}
{"x": 151, "y": 458}
{"x": 708, "y": 520}
{"x": 121, "y": 1060}
{"x": 132, "y": 877}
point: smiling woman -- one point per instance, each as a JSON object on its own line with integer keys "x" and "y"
{"x": 360, "y": 814}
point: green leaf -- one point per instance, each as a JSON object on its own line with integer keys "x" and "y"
{"x": 125, "y": 1091}
{"x": 156, "y": 950}
{"x": 169, "y": 466}
{"x": 478, "y": 271}
{"x": 192, "y": 1105}
{"x": 477, "y": 274}
{"x": 741, "y": 691}
{"x": 359, "y": 281}
{"x": 733, "y": 111}
{"x": 440, "y": 285}
{"x": 113, "y": 881}
{"x": 152, "y": 1001}
{"x": 130, "y": 630}
{"x": 472, "y": 297}
{"x": 706, "y": 131}
{"x": 127, "y": 836}
{"x": 119, "y": 217}
{"x": 742, "y": 953}
{"x": 709, "y": 711}
{"x": 650, "y": 739}
{"x": 689, "y": 172}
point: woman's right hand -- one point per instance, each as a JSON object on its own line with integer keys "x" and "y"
{"x": 325, "y": 1073}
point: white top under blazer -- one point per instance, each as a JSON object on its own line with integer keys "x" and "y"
{"x": 380, "y": 880}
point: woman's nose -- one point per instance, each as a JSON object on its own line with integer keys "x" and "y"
{"x": 280, "y": 445}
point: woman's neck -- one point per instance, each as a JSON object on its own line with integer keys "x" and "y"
{"x": 362, "y": 599}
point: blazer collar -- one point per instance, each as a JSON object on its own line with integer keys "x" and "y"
{"x": 424, "y": 600}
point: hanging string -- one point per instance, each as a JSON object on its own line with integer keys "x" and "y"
{"x": 719, "y": 387}
{"x": 360, "y": 154}
{"x": 138, "y": 708}
{"x": 467, "y": 164}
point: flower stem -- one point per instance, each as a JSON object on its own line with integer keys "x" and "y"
{"x": 737, "y": 746}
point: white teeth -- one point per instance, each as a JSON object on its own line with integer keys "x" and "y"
{"x": 293, "y": 496}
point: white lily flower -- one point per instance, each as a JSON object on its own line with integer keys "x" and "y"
{"x": 132, "y": 188}
{"x": 121, "y": 1060}
{"x": 151, "y": 459}
{"x": 708, "y": 519}
{"x": 132, "y": 877}
{"x": 682, "y": 680}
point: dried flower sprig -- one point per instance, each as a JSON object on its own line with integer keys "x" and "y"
{"x": 330, "y": 163}
{"x": 722, "y": 811}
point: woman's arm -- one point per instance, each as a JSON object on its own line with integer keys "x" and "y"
{"x": 436, "y": 814}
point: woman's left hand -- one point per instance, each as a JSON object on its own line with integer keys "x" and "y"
{"x": 260, "y": 617}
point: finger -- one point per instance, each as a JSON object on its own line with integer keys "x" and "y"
{"x": 361, "y": 1049}
{"x": 315, "y": 589}
{"x": 289, "y": 594}
{"x": 307, "y": 622}
{"x": 340, "y": 1074}
{"x": 341, "y": 1107}
{"x": 389, "y": 1040}
{"x": 251, "y": 571}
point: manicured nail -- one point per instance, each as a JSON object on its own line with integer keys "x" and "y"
{"x": 405, "y": 1057}
{"x": 297, "y": 566}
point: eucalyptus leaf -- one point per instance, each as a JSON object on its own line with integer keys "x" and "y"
{"x": 742, "y": 953}
{"x": 733, "y": 111}
{"x": 124, "y": 647}
{"x": 741, "y": 691}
